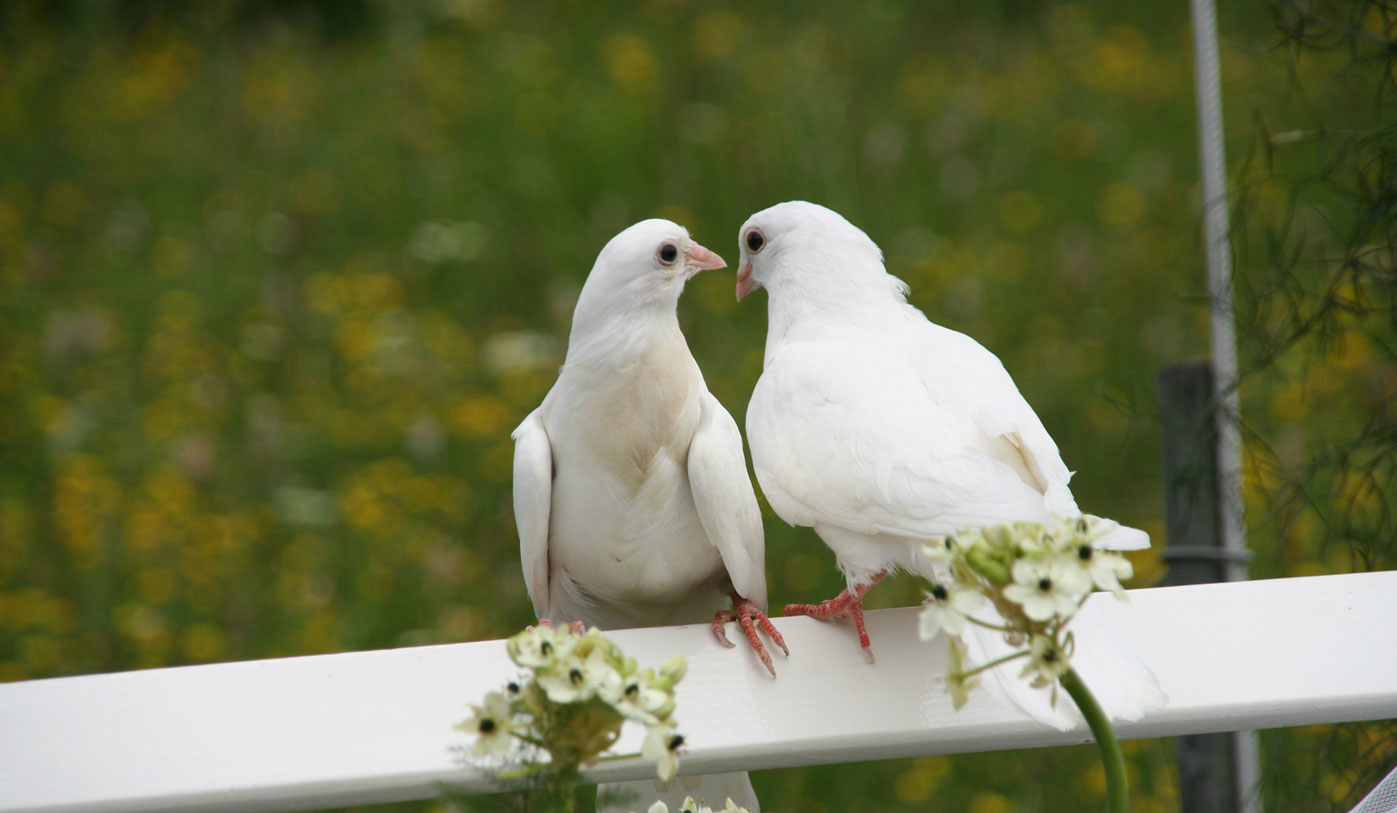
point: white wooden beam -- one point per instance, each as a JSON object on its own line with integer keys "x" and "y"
{"x": 302, "y": 733}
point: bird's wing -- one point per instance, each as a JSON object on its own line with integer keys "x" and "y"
{"x": 726, "y": 503}
{"x": 533, "y": 495}
{"x": 971, "y": 381}
{"x": 844, "y": 434}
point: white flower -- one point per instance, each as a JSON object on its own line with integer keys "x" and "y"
{"x": 1105, "y": 569}
{"x": 662, "y": 746}
{"x": 1089, "y": 528}
{"x": 634, "y": 697}
{"x": 1047, "y": 587}
{"x": 540, "y": 646}
{"x": 491, "y": 724}
{"x": 1046, "y": 661}
{"x": 948, "y": 548}
{"x": 946, "y": 608}
{"x": 1037, "y": 541}
{"x": 574, "y": 680}
{"x": 692, "y": 806}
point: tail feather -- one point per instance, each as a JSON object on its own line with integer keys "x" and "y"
{"x": 1122, "y": 683}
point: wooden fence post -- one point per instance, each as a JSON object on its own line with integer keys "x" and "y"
{"x": 1195, "y": 553}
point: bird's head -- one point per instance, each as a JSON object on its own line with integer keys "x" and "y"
{"x": 641, "y": 270}
{"x": 805, "y": 246}
{"x": 652, "y": 260}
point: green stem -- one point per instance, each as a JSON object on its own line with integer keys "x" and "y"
{"x": 565, "y": 787}
{"x": 1117, "y": 794}
{"x": 997, "y": 661}
{"x": 615, "y": 757}
{"x": 987, "y": 625}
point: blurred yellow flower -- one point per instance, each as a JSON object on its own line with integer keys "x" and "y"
{"x": 923, "y": 779}
{"x": 481, "y": 416}
{"x": 1121, "y": 204}
{"x": 1019, "y": 211}
{"x": 715, "y": 34}
{"x": 202, "y": 642}
{"x": 630, "y": 62}
{"x": 1074, "y": 139}
{"x": 989, "y": 802}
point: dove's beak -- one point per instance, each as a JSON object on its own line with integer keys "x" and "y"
{"x": 698, "y": 258}
{"x": 745, "y": 283}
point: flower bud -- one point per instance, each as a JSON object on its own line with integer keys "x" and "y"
{"x": 989, "y": 563}
{"x": 1000, "y": 536}
{"x": 674, "y": 669}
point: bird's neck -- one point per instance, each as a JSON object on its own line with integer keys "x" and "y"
{"x": 798, "y": 316}
{"x": 616, "y": 339}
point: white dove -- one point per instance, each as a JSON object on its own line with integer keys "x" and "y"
{"x": 631, "y": 493}
{"x": 874, "y": 426}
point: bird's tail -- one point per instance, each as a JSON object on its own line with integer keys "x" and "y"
{"x": 1122, "y": 683}
{"x": 710, "y": 789}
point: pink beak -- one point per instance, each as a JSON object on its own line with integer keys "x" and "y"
{"x": 698, "y": 258}
{"x": 745, "y": 283}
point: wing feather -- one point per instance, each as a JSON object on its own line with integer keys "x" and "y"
{"x": 533, "y": 497}
{"x": 972, "y": 381}
{"x": 846, "y": 436}
{"x": 726, "y": 503}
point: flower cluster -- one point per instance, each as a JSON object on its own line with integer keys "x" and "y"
{"x": 691, "y": 806}
{"x": 581, "y": 691}
{"x": 1035, "y": 576}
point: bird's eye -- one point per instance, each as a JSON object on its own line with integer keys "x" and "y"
{"x": 668, "y": 253}
{"x": 755, "y": 241}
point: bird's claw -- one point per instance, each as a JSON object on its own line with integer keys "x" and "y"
{"x": 750, "y": 618}
{"x": 720, "y": 620}
{"x": 848, "y": 604}
{"x": 575, "y": 627}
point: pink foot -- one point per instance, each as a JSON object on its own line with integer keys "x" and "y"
{"x": 845, "y": 605}
{"x": 749, "y": 616}
{"x": 576, "y": 627}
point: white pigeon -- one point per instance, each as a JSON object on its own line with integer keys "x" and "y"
{"x": 631, "y": 493}
{"x": 872, "y": 425}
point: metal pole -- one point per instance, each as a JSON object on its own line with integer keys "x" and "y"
{"x": 1224, "y": 340}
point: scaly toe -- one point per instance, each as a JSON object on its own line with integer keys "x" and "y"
{"x": 720, "y": 621}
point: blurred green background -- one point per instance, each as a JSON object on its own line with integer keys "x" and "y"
{"x": 278, "y": 279}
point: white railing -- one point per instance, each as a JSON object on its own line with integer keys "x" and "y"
{"x": 303, "y": 733}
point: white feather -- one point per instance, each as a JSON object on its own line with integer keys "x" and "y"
{"x": 533, "y": 494}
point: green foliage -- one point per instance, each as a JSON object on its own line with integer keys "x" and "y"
{"x": 274, "y": 290}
